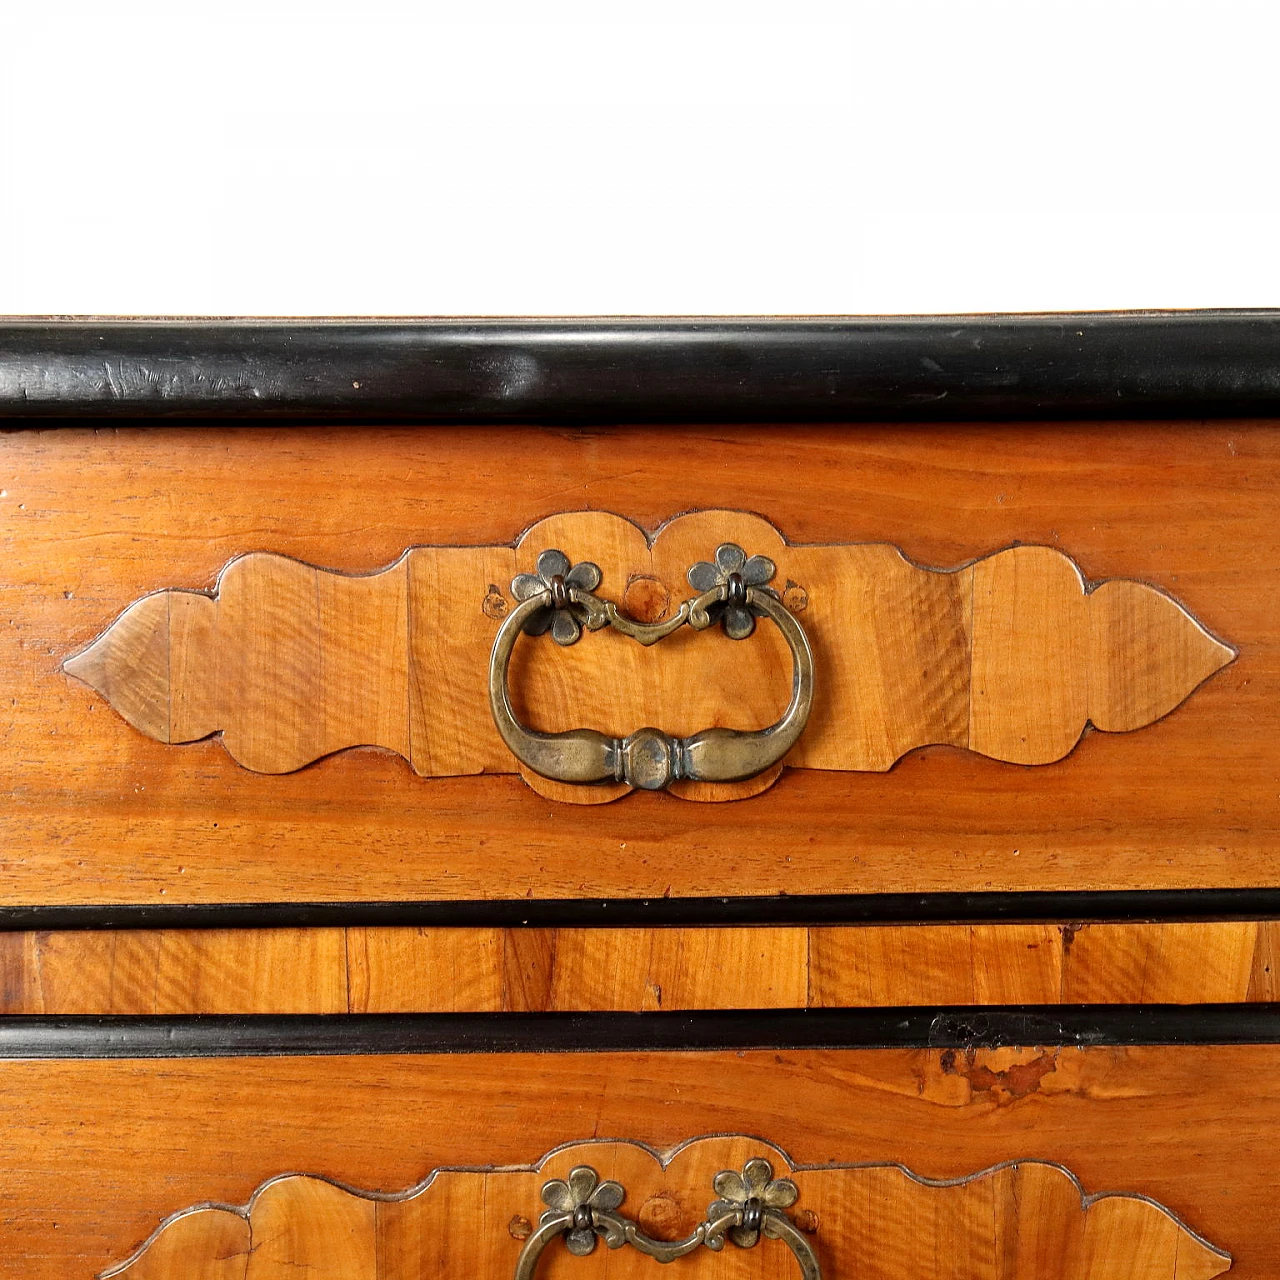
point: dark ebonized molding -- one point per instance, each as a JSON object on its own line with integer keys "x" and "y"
{"x": 567, "y": 913}
{"x": 1117, "y": 365}
{"x": 952, "y": 1027}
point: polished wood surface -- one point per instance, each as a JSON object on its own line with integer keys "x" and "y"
{"x": 95, "y": 520}
{"x": 1010, "y": 657}
{"x": 537, "y": 970}
{"x": 1023, "y": 1221}
{"x": 98, "y": 1154}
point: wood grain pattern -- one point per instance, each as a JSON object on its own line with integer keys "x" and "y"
{"x": 409, "y": 970}
{"x": 1006, "y": 657}
{"x": 95, "y": 812}
{"x": 207, "y": 1244}
{"x": 108, "y": 1150}
{"x": 1023, "y": 1221}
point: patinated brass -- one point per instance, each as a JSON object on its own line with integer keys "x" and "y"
{"x": 649, "y": 758}
{"x": 751, "y": 1205}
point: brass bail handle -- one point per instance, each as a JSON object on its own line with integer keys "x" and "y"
{"x": 752, "y": 1204}
{"x": 732, "y": 591}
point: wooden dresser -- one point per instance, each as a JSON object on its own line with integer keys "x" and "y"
{"x": 513, "y": 799}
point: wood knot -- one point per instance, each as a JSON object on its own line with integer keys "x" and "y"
{"x": 795, "y": 597}
{"x": 806, "y": 1220}
{"x": 646, "y": 599}
{"x": 520, "y": 1228}
{"x": 663, "y": 1217}
{"x": 494, "y": 603}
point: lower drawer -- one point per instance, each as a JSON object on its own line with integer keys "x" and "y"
{"x": 1173, "y": 1148}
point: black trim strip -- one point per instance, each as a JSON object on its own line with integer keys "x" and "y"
{"x": 1109, "y": 365}
{"x": 570, "y": 913}
{"x": 952, "y": 1027}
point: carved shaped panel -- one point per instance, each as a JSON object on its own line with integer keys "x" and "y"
{"x": 1025, "y": 1220}
{"x": 1011, "y": 656}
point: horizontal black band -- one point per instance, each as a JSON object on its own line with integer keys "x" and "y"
{"x": 587, "y": 913}
{"x": 953, "y": 1027}
{"x": 1115, "y": 365}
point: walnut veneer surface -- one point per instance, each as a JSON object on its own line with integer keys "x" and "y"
{"x": 1010, "y": 657}
{"x": 107, "y": 1150}
{"x": 96, "y": 812}
{"x": 407, "y": 970}
{"x": 98, "y": 1153}
{"x": 1024, "y": 1221}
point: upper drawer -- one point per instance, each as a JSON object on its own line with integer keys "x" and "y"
{"x": 255, "y": 664}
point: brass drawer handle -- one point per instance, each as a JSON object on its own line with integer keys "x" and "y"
{"x": 751, "y": 1205}
{"x": 732, "y": 591}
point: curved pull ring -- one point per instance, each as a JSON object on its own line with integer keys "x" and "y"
{"x": 583, "y": 1208}
{"x": 649, "y": 758}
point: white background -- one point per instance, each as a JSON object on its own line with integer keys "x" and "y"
{"x": 647, "y": 158}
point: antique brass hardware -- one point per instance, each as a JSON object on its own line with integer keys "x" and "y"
{"x": 732, "y": 591}
{"x": 751, "y": 1205}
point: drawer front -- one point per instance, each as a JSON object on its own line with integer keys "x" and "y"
{"x": 1174, "y": 653}
{"x": 1125, "y": 1161}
